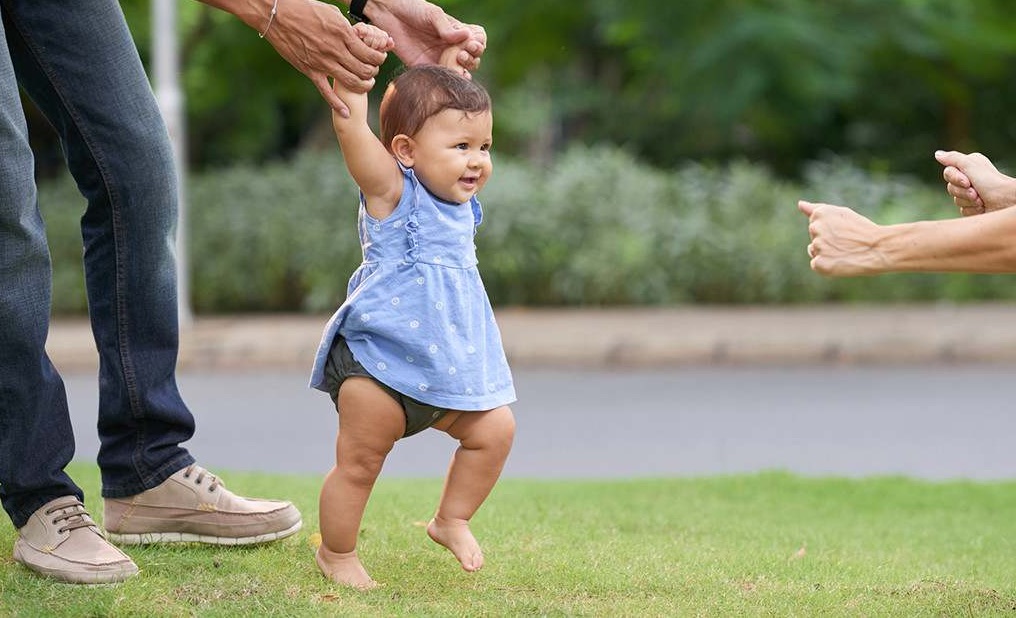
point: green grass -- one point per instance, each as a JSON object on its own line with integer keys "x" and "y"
{"x": 770, "y": 544}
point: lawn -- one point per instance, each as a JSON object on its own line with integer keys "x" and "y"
{"x": 771, "y": 544}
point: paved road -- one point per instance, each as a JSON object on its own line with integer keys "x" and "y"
{"x": 927, "y": 421}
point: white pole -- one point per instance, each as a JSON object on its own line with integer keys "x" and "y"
{"x": 166, "y": 75}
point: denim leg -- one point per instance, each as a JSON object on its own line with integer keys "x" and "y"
{"x": 78, "y": 63}
{"x": 36, "y": 441}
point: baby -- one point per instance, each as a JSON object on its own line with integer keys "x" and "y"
{"x": 415, "y": 344}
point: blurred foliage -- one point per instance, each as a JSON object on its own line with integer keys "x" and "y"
{"x": 595, "y": 228}
{"x": 780, "y": 82}
{"x": 648, "y": 152}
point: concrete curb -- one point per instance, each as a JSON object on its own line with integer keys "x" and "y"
{"x": 636, "y": 337}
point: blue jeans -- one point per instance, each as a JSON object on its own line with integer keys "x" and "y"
{"x": 78, "y": 63}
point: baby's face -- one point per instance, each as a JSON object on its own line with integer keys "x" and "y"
{"x": 452, "y": 154}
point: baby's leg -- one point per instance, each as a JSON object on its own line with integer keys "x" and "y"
{"x": 485, "y": 438}
{"x": 369, "y": 424}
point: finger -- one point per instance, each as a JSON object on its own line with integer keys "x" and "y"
{"x": 352, "y": 81}
{"x": 962, "y": 194}
{"x": 949, "y": 157}
{"x": 806, "y": 207}
{"x": 963, "y": 201}
{"x": 969, "y": 208}
{"x": 333, "y": 100}
{"x": 363, "y": 61}
{"x": 478, "y": 33}
{"x": 819, "y": 265}
{"x": 451, "y": 30}
{"x": 965, "y": 198}
{"x": 467, "y": 61}
{"x": 374, "y": 37}
{"x": 968, "y": 211}
{"x": 954, "y": 176}
{"x": 477, "y": 42}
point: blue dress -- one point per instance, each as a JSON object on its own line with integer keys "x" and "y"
{"x": 416, "y": 314}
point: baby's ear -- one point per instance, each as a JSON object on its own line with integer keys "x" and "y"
{"x": 404, "y": 149}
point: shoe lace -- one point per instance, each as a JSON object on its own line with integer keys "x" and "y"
{"x": 73, "y": 514}
{"x": 213, "y": 481}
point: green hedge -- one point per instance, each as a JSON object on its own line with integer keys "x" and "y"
{"x": 596, "y": 227}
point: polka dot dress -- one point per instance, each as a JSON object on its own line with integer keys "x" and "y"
{"x": 416, "y": 315}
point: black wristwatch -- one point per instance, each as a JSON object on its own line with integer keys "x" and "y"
{"x": 356, "y": 11}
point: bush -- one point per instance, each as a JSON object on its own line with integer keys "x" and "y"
{"x": 595, "y": 228}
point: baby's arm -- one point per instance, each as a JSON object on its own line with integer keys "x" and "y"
{"x": 370, "y": 164}
{"x": 450, "y": 59}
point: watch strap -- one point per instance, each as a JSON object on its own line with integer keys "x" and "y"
{"x": 356, "y": 11}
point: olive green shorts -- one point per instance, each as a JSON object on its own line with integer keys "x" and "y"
{"x": 341, "y": 365}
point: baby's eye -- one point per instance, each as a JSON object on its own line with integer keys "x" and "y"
{"x": 485, "y": 147}
{"x": 462, "y": 146}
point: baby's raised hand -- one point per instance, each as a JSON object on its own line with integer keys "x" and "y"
{"x": 374, "y": 37}
{"x": 356, "y": 102}
{"x": 450, "y": 59}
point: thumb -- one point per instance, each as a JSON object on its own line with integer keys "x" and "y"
{"x": 806, "y": 207}
{"x": 949, "y": 157}
{"x": 452, "y": 32}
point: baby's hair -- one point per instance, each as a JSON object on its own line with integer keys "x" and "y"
{"x": 425, "y": 91}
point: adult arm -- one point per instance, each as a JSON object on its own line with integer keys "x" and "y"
{"x": 847, "y": 244}
{"x": 316, "y": 38}
{"x": 423, "y": 32}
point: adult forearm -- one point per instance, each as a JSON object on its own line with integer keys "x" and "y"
{"x": 982, "y": 244}
{"x": 316, "y": 39}
{"x": 254, "y": 13}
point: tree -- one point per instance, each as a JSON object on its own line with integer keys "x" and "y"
{"x": 782, "y": 82}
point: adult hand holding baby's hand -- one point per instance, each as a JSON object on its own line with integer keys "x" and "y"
{"x": 317, "y": 39}
{"x": 374, "y": 37}
{"x": 425, "y": 34}
{"x": 355, "y": 101}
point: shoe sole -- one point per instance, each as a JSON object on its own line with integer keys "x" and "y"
{"x": 148, "y": 538}
{"x": 77, "y": 579}
{"x": 90, "y": 578}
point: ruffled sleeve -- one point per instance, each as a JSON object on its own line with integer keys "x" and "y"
{"x": 477, "y": 212}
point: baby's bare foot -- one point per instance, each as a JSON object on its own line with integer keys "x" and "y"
{"x": 343, "y": 568}
{"x": 456, "y": 536}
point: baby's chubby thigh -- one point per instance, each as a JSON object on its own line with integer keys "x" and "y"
{"x": 370, "y": 422}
